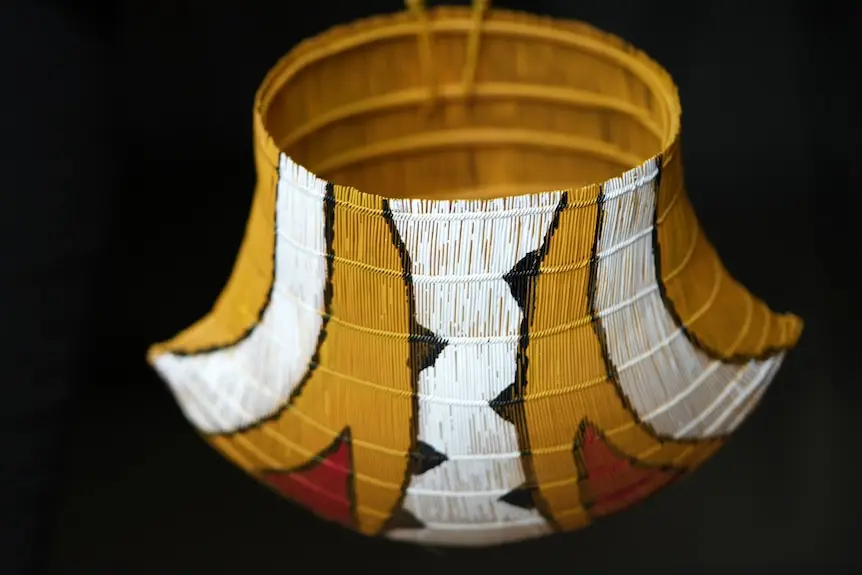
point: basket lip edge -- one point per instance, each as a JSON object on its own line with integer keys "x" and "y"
{"x": 274, "y": 156}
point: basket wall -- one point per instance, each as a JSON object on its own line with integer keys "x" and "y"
{"x": 488, "y": 361}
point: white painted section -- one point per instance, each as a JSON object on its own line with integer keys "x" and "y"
{"x": 224, "y": 390}
{"x": 460, "y": 251}
{"x": 476, "y": 534}
{"x": 672, "y": 385}
{"x": 458, "y": 268}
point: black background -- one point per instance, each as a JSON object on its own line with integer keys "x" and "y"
{"x": 125, "y": 179}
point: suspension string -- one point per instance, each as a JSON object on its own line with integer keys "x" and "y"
{"x": 480, "y": 8}
{"x": 426, "y": 58}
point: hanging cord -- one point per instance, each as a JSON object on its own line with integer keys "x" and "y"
{"x": 480, "y": 7}
{"x": 426, "y": 58}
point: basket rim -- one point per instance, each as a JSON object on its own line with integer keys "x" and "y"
{"x": 498, "y": 21}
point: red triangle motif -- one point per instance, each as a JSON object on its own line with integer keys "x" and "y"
{"x": 324, "y": 486}
{"x": 611, "y": 481}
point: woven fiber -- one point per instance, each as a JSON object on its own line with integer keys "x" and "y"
{"x": 515, "y": 327}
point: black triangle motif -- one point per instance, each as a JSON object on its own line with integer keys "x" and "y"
{"x": 507, "y": 403}
{"x": 403, "y": 519}
{"x": 520, "y": 497}
{"x": 520, "y": 277}
{"x": 427, "y": 347}
{"x": 425, "y": 457}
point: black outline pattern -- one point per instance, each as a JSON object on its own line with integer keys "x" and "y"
{"x": 343, "y": 439}
{"x": 329, "y": 235}
{"x": 425, "y": 458}
{"x": 425, "y": 348}
{"x": 673, "y": 473}
{"x": 268, "y": 298}
{"x": 509, "y": 403}
{"x": 598, "y": 327}
{"x": 736, "y": 358}
{"x": 523, "y": 496}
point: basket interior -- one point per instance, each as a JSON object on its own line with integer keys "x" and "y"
{"x": 543, "y": 114}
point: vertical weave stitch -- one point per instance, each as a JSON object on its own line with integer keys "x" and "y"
{"x": 515, "y": 327}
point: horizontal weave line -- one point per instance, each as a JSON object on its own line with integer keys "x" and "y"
{"x": 420, "y": 492}
{"x": 556, "y": 330}
{"x": 762, "y": 379}
{"x": 486, "y": 214}
{"x": 485, "y": 525}
{"x": 712, "y": 367}
{"x": 732, "y": 385}
{"x": 750, "y": 403}
{"x": 567, "y": 389}
{"x": 261, "y": 455}
{"x": 484, "y": 403}
{"x": 693, "y": 386}
{"x": 499, "y": 456}
{"x": 477, "y": 340}
{"x": 502, "y": 456}
{"x": 449, "y": 493}
{"x": 549, "y": 393}
{"x": 461, "y": 278}
{"x": 619, "y": 57}
{"x": 564, "y": 482}
{"x": 378, "y": 448}
{"x": 315, "y": 457}
{"x": 755, "y": 388}
{"x": 486, "y": 92}
{"x": 530, "y": 396}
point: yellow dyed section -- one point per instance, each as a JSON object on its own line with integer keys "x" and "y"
{"x": 723, "y": 316}
{"x": 363, "y": 380}
{"x": 241, "y": 302}
{"x": 567, "y": 379}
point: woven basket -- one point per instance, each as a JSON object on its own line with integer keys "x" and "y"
{"x": 541, "y": 336}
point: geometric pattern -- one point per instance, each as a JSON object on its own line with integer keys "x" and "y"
{"x": 479, "y": 371}
{"x": 473, "y": 474}
{"x": 323, "y": 484}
